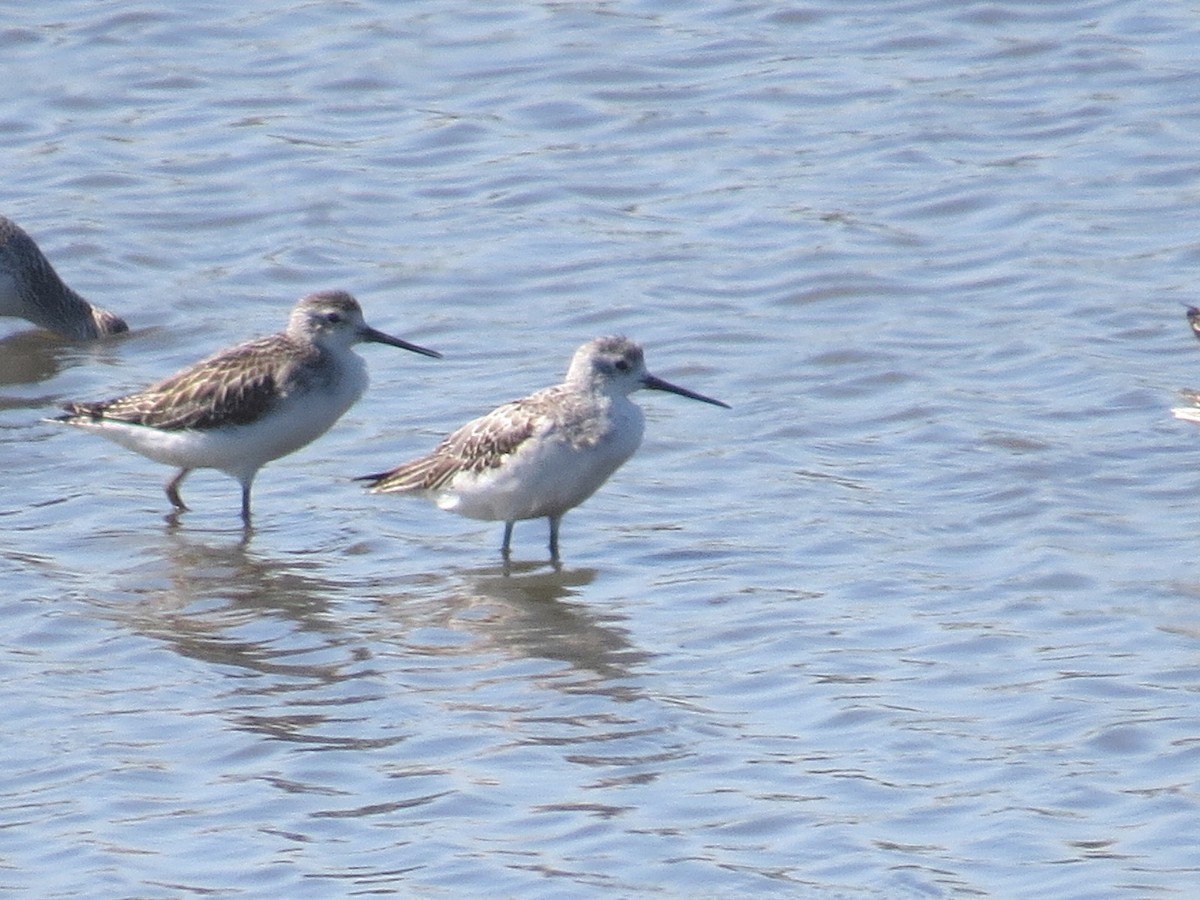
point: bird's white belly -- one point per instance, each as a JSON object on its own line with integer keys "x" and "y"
{"x": 240, "y": 450}
{"x": 546, "y": 477}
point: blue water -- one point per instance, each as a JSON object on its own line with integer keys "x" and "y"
{"x": 918, "y": 617}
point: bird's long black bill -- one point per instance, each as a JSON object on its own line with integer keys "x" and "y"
{"x": 378, "y": 337}
{"x": 654, "y": 383}
{"x": 374, "y": 478}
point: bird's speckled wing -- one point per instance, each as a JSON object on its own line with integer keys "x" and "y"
{"x": 234, "y": 387}
{"x": 478, "y": 446}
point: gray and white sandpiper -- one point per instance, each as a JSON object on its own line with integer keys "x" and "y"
{"x": 30, "y": 289}
{"x": 544, "y": 454}
{"x": 249, "y": 404}
{"x": 1190, "y": 413}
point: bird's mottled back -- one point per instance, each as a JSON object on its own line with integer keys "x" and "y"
{"x": 234, "y": 387}
{"x": 476, "y": 447}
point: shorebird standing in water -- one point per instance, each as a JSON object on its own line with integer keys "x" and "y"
{"x": 1193, "y": 318}
{"x": 30, "y": 289}
{"x": 249, "y": 404}
{"x": 545, "y": 454}
{"x": 1190, "y": 413}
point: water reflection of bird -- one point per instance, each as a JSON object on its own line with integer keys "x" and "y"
{"x": 532, "y": 617}
{"x": 243, "y": 612}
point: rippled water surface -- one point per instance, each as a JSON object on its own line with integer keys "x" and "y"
{"x": 918, "y": 617}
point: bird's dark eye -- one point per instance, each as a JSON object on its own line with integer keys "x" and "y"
{"x": 333, "y": 317}
{"x": 622, "y": 365}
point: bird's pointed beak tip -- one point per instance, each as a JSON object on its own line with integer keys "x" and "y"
{"x": 654, "y": 383}
{"x": 373, "y": 336}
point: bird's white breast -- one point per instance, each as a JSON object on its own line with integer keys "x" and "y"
{"x": 297, "y": 419}
{"x": 557, "y": 468}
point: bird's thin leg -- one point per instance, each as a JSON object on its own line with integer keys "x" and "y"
{"x": 506, "y": 547}
{"x": 554, "y": 523}
{"x": 173, "y": 489}
{"x": 246, "y": 503}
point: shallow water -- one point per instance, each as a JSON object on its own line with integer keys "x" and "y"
{"x": 918, "y": 617}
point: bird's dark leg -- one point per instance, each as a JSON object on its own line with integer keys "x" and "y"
{"x": 173, "y": 489}
{"x": 554, "y": 523}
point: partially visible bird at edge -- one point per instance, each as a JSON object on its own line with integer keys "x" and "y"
{"x": 31, "y": 289}
{"x": 1190, "y": 413}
